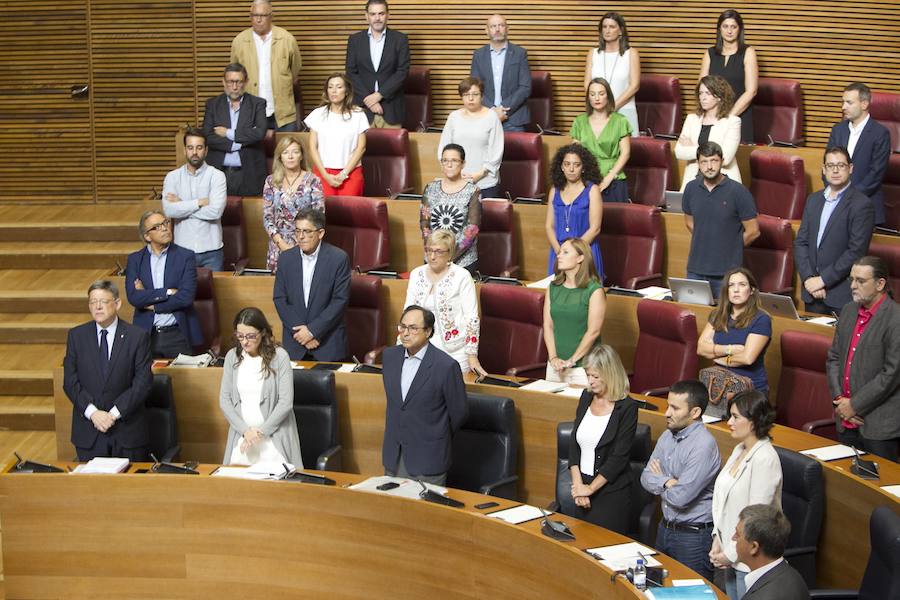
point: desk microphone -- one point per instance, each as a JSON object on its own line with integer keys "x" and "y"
{"x": 432, "y": 496}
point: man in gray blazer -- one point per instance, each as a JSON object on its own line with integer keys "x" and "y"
{"x": 760, "y": 538}
{"x": 863, "y": 363}
{"x": 503, "y": 67}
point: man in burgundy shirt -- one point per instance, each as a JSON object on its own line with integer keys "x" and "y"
{"x": 864, "y": 363}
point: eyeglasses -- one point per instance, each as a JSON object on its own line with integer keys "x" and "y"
{"x": 234, "y": 82}
{"x": 305, "y": 232}
{"x": 96, "y": 303}
{"x": 250, "y": 337}
{"x": 161, "y": 225}
{"x": 859, "y": 280}
{"x": 836, "y": 166}
{"x": 450, "y": 161}
{"x": 414, "y": 329}
{"x": 436, "y": 251}
{"x": 471, "y": 94}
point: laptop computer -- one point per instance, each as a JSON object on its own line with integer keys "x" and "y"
{"x": 779, "y": 306}
{"x": 691, "y": 291}
{"x": 673, "y": 201}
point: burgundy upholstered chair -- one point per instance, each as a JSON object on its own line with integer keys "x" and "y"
{"x": 885, "y": 108}
{"x": 417, "y": 94}
{"x": 497, "y": 240}
{"x": 234, "y": 234}
{"x": 778, "y": 183}
{"x": 522, "y": 173}
{"x": 804, "y": 400}
{"x": 891, "y": 254}
{"x": 666, "y": 349}
{"x": 778, "y": 112}
{"x": 364, "y": 317}
{"x": 659, "y": 104}
{"x": 540, "y": 103}
{"x": 386, "y": 164}
{"x": 359, "y": 226}
{"x": 512, "y": 330}
{"x": 631, "y": 244}
{"x": 207, "y": 309}
{"x": 771, "y": 256}
{"x": 650, "y": 171}
{"x": 269, "y": 143}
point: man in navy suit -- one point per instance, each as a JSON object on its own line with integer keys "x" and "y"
{"x": 503, "y": 67}
{"x": 835, "y": 230}
{"x": 160, "y": 282}
{"x": 377, "y": 64}
{"x": 868, "y": 143}
{"x": 426, "y": 402}
{"x": 312, "y": 289}
{"x": 107, "y": 378}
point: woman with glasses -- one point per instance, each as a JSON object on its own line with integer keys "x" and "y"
{"x": 476, "y": 128}
{"x": 447, "y": 290}
{"x": 453, "y": 203}
{"x": 257, "y": 396}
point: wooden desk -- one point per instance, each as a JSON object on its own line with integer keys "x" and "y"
{"x": 188, "y": 536}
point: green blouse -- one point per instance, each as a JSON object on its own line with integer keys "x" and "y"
{"x": 569, "y": 310}
{"x": 604, "y": 147}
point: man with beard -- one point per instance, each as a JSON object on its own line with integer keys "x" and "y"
{"x": 503, "y": 67}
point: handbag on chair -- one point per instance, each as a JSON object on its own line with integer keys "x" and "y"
{"x": 722, "y": 384}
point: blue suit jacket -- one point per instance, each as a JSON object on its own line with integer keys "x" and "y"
{"x": 329, "y": 295}
{"x": 180, "y": 274}
{"x": 870, "y": 159}
{"x": 846, "y": 238}
{"x": 515, "y": 86}
{"x": 434, "y": 410}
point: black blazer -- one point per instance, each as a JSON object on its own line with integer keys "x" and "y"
{"x": 614, "y": 449}
{"x": 846, "y": 238}
{"x": 125, "y": 386}
{"x": 329, "y": 295}
{"x": 870, "y": 159}
{"x": 391, "y": 73}
{"x": 780, "y": 583}
{"x": 434, "y": 410}
{"x": 250, "y": 131}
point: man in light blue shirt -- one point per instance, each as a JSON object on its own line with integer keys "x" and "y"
{"x": 503, "y": 67}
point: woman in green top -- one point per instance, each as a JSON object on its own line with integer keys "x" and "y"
{"x": 607, "y": 134}
{"x": 573, "y": 312}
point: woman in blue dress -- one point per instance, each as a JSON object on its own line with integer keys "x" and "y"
{"x": 576, "y": 207}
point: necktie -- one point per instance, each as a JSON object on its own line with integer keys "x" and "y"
{"x": 104, "y": 351}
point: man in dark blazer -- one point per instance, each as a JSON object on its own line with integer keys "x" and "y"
{"x": 378, "y": 88}
{"x": 868, "y": 142}
{"x": 863, "y": 364}
{"x": 502, "y": 62}
{"x": 107, "y": 378}
{"x": 160, "y": 282}
{"x": 760, "y": 538}
{"x": 836, "y": 229}
{"x": 426, "y": 402}
{"x": 235, "y": 124}
{"x": 312, "y": 289}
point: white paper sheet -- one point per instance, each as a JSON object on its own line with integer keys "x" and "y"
{"x": 892, "y": 489}
{"x": 517, "y": 514}
{"x": 822, "y": 320}
{"x": 541, "y": 284}
{"x": 542, "y": 385}
{"x": 407, "y": 488}
{"x": 826, "y": 453}
{"x": 711, "y": 419}
{"x": 654, "y": 292}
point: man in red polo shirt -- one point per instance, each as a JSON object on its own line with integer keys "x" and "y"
{"x": 864, "y": 363}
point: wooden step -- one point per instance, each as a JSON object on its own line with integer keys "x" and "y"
{"x": 32, "y": 445}
{"x": 65, "y": 255}
{"x": 28, "y": 368}
{"x": 26, "y": 413}
{"x": 26, "y": 383}
{"x": 47, "y": 290}
{"x": 45, "y": 301}
{"x": 102, "y": 231}
{"x": 52, "y": 328}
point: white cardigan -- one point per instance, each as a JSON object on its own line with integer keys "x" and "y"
{"x": 725, "y": 132}
{"x": 758, "y": 481}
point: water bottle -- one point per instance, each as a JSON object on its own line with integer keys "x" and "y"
{"x": 640, "y": 575}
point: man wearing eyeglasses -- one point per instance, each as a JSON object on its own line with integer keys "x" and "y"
{"x": 160, "y": 282}
{"x": 835, "y": 231}
{"x": 426, "y": 402}
{"x": 312, "y": 289}
{"x": 106, "y": 376}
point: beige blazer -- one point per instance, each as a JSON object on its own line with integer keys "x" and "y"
{"x": 725, "y": 132}
{"x": 285, "y": 69}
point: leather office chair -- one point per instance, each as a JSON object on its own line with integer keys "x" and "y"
{"x": 891, "y": 254}
{"x": 359, "y": 226}
{"x": 881, "y": 579}
{"x": 364, "y": 316}
{"x": 207, "y": 309}
{"x": 298, "y": 105}
{"x": 484, "y": 449}
{"x": 778, "y": 184}
{"x": 666, "y": 349}
{"x": 890, "y": 187}
{"x": 512, "y": 331}
{"x": 522, "y": 173}
{"x": 387, "y": 168}
{"x": 497, "y": 242}
{"x": 885, "y": 108}
{"x": 540, "y": 103}
{"x": 778, "y": 112}
{"x": 650, "y": 171}
{"x": 269, "y": 143}
{"x": 234, "y": 234}
{"x": 658, "y": 104}
{"x": 771, "y": 256}
{"x": 804, "y": 399}
{"x": 417, "y": 94}
{"x": 803, "y": 503}
{"x": 632, "y": 246}
{"x": 161, "y": 422}
{"x": 316, "y": 411}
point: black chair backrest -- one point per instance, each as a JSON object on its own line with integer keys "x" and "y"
{"x": 160, "y": 406}
{"x": 315, "y": 408}
{"x": 484, "y": 448}
{"x": 882, "y": 576}
{"x": 802, "y": 496}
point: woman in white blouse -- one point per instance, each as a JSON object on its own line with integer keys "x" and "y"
{"x": 337, "y": 139}
{"x": 476, "y": 128}
{"x": 711, "y": 123}
{"x": 618, "y": 63}
{"x": 447, "y": 290}
{"x": 752, "y": 475}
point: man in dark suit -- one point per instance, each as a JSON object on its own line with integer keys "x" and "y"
{"x": 863, "y": 363}
{"x": 312, "y": 289}
{"x": 503, "y": 67}
{"x": 235, "y": 124}
{"x": 107, "y": 378}
{"x": 377, "y": 65}
{"x": 836, "y": 228}
{"x": 868, "y": 143}
{"x": 160, "y": 282}
{"x": 760, "y": 538}
{"x": 426, "y": 402}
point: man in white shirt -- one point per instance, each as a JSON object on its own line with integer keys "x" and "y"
{"x": 194, "y": 198}
{"x": 760, "y": 538}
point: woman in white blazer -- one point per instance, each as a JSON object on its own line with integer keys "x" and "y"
{"x": 447, "y": 290}
{"x": 752, "y": 475}
{"x": 711, "y": 123}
